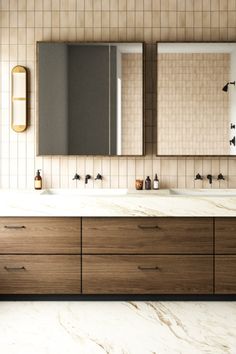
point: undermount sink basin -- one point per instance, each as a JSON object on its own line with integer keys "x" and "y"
{"x": 85, "y": 192}
{"x": 112, "y": 192}
{"x": 204, "y": 192}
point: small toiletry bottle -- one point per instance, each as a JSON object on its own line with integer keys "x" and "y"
{"x": 139, "y": 184}
{"x": 38, "y": 181}
{"x": 148, "y": 183}
{"x": 156, "y": 182}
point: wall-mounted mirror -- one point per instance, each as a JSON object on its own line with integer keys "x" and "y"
{"x": 196, "y": 99}
{"x": 90, "y": 98}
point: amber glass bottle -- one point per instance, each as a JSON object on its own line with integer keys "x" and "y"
{"x": 38, "y": 181}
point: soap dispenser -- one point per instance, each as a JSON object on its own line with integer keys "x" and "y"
{"x": 156, "y": 182}
{"x": 148, "y": 183}
{"x": 38, "y": 181}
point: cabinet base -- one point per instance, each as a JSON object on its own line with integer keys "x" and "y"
{"x": 125, "y": 297}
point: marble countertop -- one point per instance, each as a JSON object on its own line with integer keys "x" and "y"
{"x": 118, "y": 203}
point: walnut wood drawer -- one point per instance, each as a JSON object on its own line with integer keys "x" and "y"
{"x": 40, "y": 235}
{"x": 225, "y": 235}
{"x": 225, "y": 274}
{"x": 54, "y": 274}
{"x": 147, "y": 235}
{"x": 122, "y": 274}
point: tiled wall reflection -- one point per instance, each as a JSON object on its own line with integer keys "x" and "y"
{"x": 132, "y": 104}
{"x": 23, "y": 22}
{"x": 193, "y": 110}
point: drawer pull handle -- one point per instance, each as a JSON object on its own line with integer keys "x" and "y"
{"x": 14, "y": 227}
{"x": 148, "y": 268}
{"x": 149, "y": 227}
{"x": 15, "y": 269}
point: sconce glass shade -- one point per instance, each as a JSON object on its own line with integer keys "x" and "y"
{"x": 19, "y": 98}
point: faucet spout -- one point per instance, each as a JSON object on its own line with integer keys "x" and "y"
{"x": 209, "y": 177}
{"x": 87, "y": 177}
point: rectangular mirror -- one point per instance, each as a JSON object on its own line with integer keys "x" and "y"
{"x": 90, "y": 98}
{"x": 196, "y": 99}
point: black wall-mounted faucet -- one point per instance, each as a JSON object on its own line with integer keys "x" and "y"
{"x": 209, "y": 177}
{"x": 98, "y": 177}
{"x": 232, "y": 126}
{"x": 76, "y": 177}
{"x": 87, "y": 177}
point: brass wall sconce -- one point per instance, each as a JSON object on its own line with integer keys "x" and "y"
{"x": 19, "y": 98}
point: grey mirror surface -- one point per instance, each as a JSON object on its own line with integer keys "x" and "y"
{"x": 194, "y": 113}
{"x": 90, "y": 98}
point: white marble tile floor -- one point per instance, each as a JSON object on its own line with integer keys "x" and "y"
{"x": 65, "y": 327}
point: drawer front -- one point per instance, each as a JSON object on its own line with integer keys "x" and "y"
{"x": 225, "y": 235}
{"x": 147, "y": 235}
{"x": 225, "y": 274}
{"x": 147, "y": 274}
{"x": 40, "y": 235}
{"x": 40, "y": 274}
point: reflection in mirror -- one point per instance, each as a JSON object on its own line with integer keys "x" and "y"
{"x": 90, "y": 98}
{"x": 195, "y": 116}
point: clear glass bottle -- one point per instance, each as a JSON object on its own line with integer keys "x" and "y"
{"x": 156, "y": 182}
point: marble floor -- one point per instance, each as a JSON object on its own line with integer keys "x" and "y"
{"x": 117, "y": 327}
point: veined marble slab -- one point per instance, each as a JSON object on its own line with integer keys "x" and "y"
{"x": 118, "y": 327}
{"x": 143, "y": 203}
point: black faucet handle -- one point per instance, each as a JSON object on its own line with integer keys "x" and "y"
{"x": 76, "y": 177}
{"x": 198, "y": 177}
{"x": 232, "y": 141}
{"x": 220, "y": 177}
{"x": 98, "y": 177}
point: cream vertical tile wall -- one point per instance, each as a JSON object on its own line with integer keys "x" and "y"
{"x": 23, "y": 22}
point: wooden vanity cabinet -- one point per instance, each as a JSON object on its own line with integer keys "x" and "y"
{"x": 147, "y": 235}
{"x": 225, "y": 255}
{"x": 37, "y": 235}
{"x": 40, "y": 255}
{"x": 145, "y": 274}
{"x": 40, "y": 274}
{"x": 122, "y": 255}
{"x": 147, "y": 255}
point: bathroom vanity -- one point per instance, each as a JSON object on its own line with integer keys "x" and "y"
{"x": 98, "y": 254}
